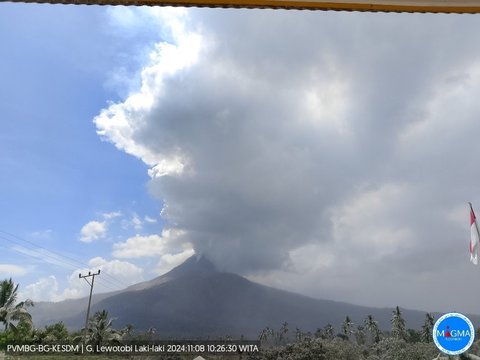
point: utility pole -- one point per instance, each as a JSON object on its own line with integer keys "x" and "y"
{"x": 80, "y": 276}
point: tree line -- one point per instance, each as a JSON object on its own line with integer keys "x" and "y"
{"x": 365, "y": 341}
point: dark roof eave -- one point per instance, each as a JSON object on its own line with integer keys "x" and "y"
{"x": 448, "y": 7}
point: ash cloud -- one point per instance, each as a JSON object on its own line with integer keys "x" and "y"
{"x": 314, "y": 146}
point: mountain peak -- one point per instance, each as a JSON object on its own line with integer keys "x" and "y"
{"x": 196, "y": 265}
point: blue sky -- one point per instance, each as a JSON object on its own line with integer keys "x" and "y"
{"x": 327, "y": 153}
{"x": 57, "y": 174}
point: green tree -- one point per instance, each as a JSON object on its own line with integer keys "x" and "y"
{"x": 398, "y": 325}
{"x": 319, "y": 334}
{"x": 100, "y": 329}
{"x": 300, "y": 335}
{"x": 151, "y": 333}
{"x": 11, "y": 312}
{"x": 427, "y": 328}
{"x": 282, "y": 334}
{"x": 263, "y": 337}
{"x": 391, "y": 348}
{"x": 54, "y": 333}
{"x": 127, "y": 332}
{"x": 267, "y": 337}
{"x": 329, "y": 332}
{"x": 360, "y": 335}
{"x": 347, "y": 326}
{"x": 413, "y": 336}
{"x": 372, "y": 326}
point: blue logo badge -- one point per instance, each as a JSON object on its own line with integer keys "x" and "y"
{"x": 453, "y": 333}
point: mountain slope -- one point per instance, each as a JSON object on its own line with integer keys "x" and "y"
{"x": 195, "y": 300}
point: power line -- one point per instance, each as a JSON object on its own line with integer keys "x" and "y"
{"x": 40, "y": 256}
{"x": 61, "y": 255}
{"x": 57, "y": 258}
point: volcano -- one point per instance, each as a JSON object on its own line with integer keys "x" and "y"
{"x": 196, "y": 300}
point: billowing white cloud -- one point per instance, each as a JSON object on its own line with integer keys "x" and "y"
{"x": 122, "y": 270}
{"x": 166, "y": 60}
{"x": 45, "y": 289}
{"x": 149, "y": 245}
{"x": 93, "y": 230}
{"x": 114, "y": 275}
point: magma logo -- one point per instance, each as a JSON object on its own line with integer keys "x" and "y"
{"x": 453, "y": 333}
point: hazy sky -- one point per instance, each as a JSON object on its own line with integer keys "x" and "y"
{"x": 327, "y": 153}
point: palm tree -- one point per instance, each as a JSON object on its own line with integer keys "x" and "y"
{"x": 100, "y": 329}
{"x": 329, "y": 331}
{"x": 360, "y": 335}
{"x": 398, "y": 325}
{"x": 10, "y": 311}
{"x": 372, "y": 326}
{"x": 264, "y": 335}
{"x": 299, "y": 334}
{"x": 127, "y": 331}
{"x": 151, "y": 333}
{"x": 347, "y": 327}
{"x": 427, "y": 328}
{"x": 282, "y": 334}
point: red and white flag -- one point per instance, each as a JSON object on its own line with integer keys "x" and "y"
{"x": 474, "y": 238}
